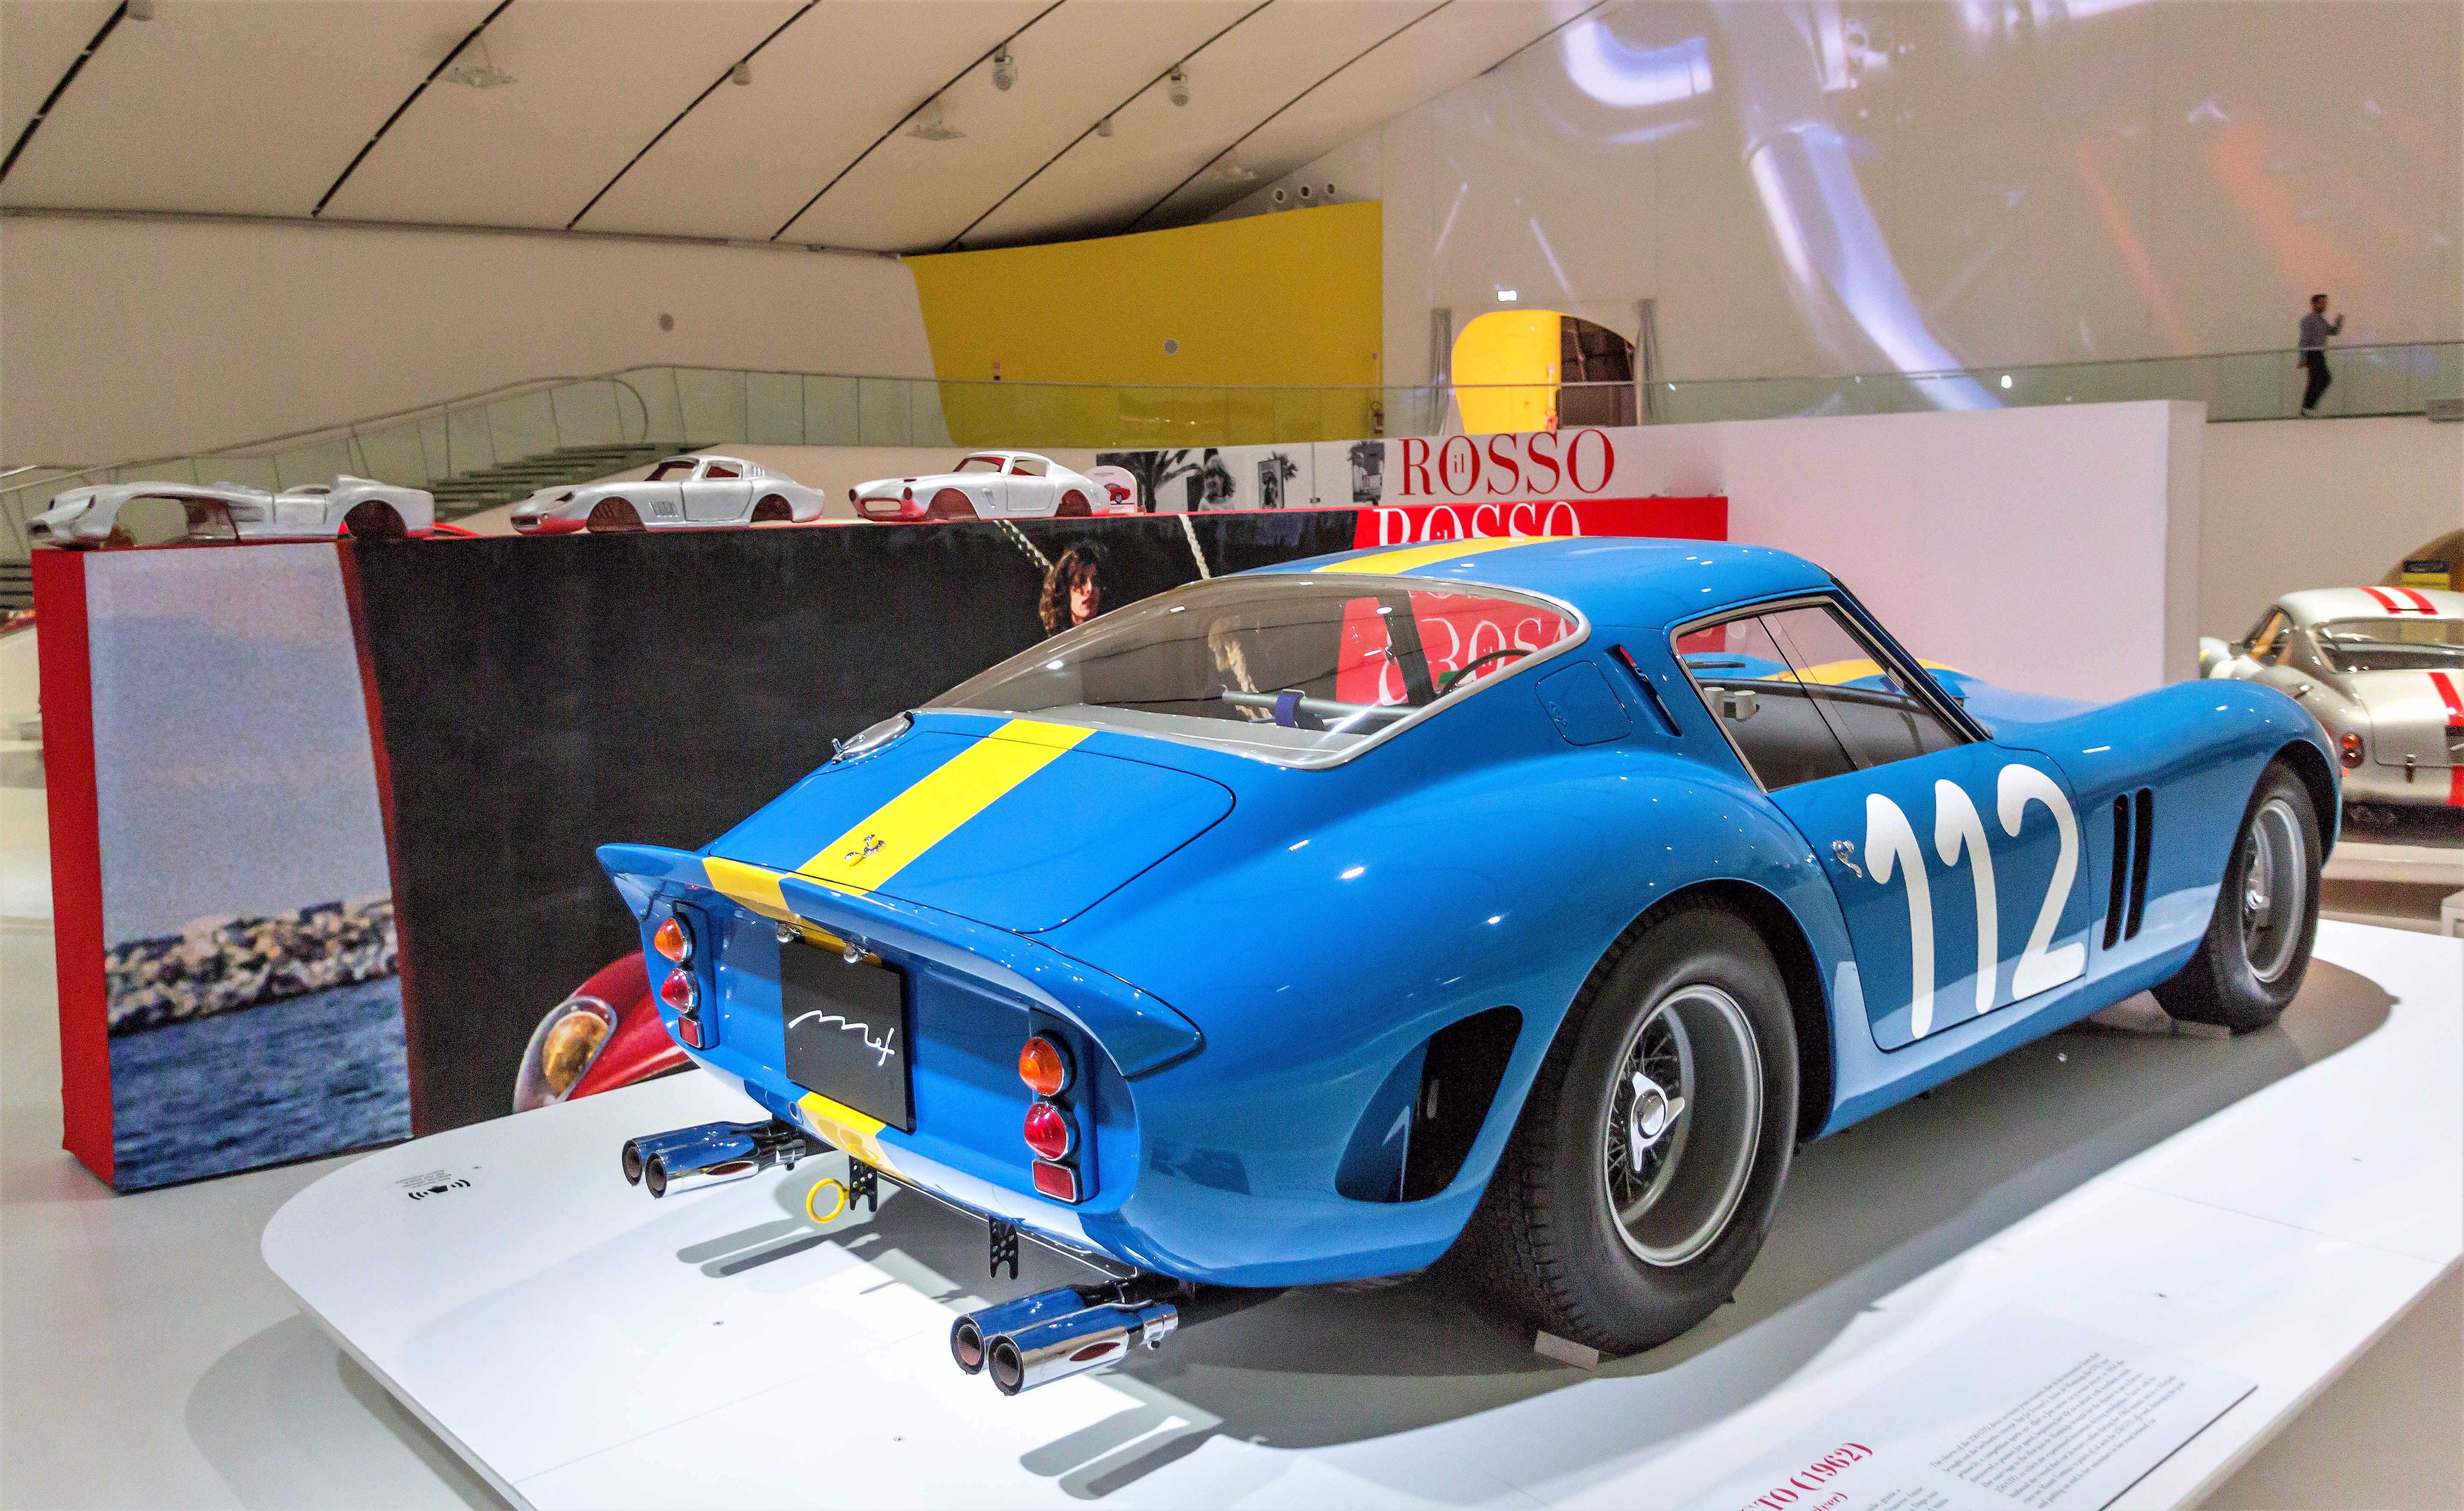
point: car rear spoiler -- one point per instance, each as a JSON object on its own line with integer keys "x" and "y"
{"x": 1141, "y": 1030}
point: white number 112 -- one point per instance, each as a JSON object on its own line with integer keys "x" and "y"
{"x": 1891, "y": 847}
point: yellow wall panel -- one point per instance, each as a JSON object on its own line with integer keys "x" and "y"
{"x": 1292, "y": 299}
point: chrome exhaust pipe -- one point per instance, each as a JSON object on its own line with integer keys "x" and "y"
{"x": 714, "y": 1149}
{"x": 1060, "y": 1346}
{"x": 968, "y": 1333}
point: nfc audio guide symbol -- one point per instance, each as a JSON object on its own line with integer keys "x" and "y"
{"x": 434, "y": 1182}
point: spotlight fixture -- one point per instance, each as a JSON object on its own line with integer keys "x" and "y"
{"x": 1004, "y": 68}
{"x": 1104, "y": 127}
{"x": 141, "y": 10}
{"x": 1306, "y": 192}
{"x": 742, "y": 73}
{"x": 931, "y": 126}
{"x": 478, "y": 75}
{"x": 1179, "y": 85}
{"x": 481, "y": 75}
{"x": 1507, "y": 295}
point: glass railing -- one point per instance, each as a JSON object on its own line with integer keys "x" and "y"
{"x": 2234, "y": 385}
{"x": 667, "y": 406}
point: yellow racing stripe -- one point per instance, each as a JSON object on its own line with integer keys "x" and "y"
{"x": 1410, "y": 556}
{"x": 752, "y": 885}
{"x": 906, "y": 827}
{"x": 846, "y": 1130}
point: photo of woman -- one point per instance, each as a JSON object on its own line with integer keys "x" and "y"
{"x": 1079, "y": 587}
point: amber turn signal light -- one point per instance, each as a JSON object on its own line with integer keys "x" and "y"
{"x": 679, "y": 993}
{"x": 2351, "y": 746}
{"x": 1049, "y": 1131}
{"x": 669, "y": 939}
{"x": 1044, "y": 1066}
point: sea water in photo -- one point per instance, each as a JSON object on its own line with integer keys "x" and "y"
{"x": 307, "y": 1076}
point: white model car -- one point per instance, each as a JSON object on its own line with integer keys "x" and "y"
{"x": 683, "y": 493}
{"x": 142, "y": 514}
{"x": 998, "y": 485}
{"x": 2381, "y": 669}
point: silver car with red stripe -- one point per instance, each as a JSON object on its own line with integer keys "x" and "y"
{"x": 2381, "y": 669}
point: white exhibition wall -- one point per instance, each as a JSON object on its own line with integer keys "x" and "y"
{"x": 2290, "y": 504}
{"x": 128, "y": 337}
{"x": 2049, "y": 550}
{"x": 1807, "y": 187}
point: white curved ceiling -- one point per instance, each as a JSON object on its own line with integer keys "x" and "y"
{"x": 622, "y": 116}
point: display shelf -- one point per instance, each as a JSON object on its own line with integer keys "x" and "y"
{"x": 2373, "y": 861}
{"x": 2264, "y": 1206}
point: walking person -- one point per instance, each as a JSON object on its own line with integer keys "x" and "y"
{"x": 2316, "y": 328}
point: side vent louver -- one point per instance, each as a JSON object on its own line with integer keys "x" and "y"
{"x": 2134, "y": 825}
{"x": 2117, "y": 903}
{"x": 2140, "y": 843}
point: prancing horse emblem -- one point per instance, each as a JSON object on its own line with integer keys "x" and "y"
{"x": 871, "y": 842}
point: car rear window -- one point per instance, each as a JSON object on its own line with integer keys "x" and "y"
{"x": 1302, "y": 671}
{"x": 2396, "y": 644}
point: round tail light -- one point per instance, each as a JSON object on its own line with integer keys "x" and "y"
{"x": 2351, "y": 746}
{"x": 1049, "y": 1131}
{"x": 679, "y": 993}
{"x": 1045, "y": 1066}
{"x": 671, "y": 940}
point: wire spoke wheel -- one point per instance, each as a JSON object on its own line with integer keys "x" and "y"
{"x": 1683, "y": 1119}
{"x": 2275, "y": 890}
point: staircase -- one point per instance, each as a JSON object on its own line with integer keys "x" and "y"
{"x": 16, "y": 586}
{"x": 470, "y": 492}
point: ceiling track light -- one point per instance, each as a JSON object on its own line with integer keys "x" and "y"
{"x": 141, "y": 10}
{"x": 481, "y": 75}
{"x": 742, "y": 73}
{"x": 1104, "y": 127}
{"x": 931, "y": 125}
{"x": 1004, "y": 68}
{"x": 1177, "y": 87}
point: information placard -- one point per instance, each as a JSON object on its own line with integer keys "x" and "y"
{"x": 2022, "y": 1411}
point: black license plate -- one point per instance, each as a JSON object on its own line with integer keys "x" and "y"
{"x": 847, "y": 1032}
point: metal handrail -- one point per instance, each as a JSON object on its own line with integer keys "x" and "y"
{"x": 881, "y": 409}
{"x": 344, "y": 429}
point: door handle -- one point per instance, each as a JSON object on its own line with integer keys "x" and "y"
{"x": 1845, "y": 853}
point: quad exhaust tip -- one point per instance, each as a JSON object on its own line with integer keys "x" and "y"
{"x": 1055, "y": 1334}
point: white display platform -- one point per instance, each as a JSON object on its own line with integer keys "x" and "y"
{"x": 2355, "y": 860}
{"x": 2261, "y": 1206}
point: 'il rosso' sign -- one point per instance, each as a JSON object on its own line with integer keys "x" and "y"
{"x": 1537, "y": 462}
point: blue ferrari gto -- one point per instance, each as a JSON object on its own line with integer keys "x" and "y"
{"x": 1533, "y": 899}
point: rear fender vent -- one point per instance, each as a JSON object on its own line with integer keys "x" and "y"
{"x": 2134, "y": 825}
{"x": 1412, "y": 1141}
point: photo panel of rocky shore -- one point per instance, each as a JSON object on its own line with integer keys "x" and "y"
{"x": 252, "y": 980}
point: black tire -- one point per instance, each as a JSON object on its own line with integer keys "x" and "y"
{"x": 1545, "y": 1240}
{"x": 2249, "y": 967}
{"x": 373, "y": 521}
{"x": 614, "y": 516}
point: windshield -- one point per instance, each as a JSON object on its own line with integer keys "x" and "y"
{"x": 673, "y": 472}
{"x": 1297, "y": 669}
{"x": 979, "y": 464}
{"x": 2393, "y": 643}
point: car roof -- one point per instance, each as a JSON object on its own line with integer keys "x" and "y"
{"x": 1613, "y": 579}
{"x": 2319, "y": 605}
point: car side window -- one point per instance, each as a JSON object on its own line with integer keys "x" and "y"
{"x": 717, "y": 473}
{"x": 1877, "y": 717}
{"x": 2267, "y": 643}
{"x": 1747, "y": 685}
{"x": 1025, "y": 467}
{"x": 1803, "y": 695}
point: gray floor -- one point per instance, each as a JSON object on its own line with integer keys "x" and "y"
{"x": 148, "y": 1359}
